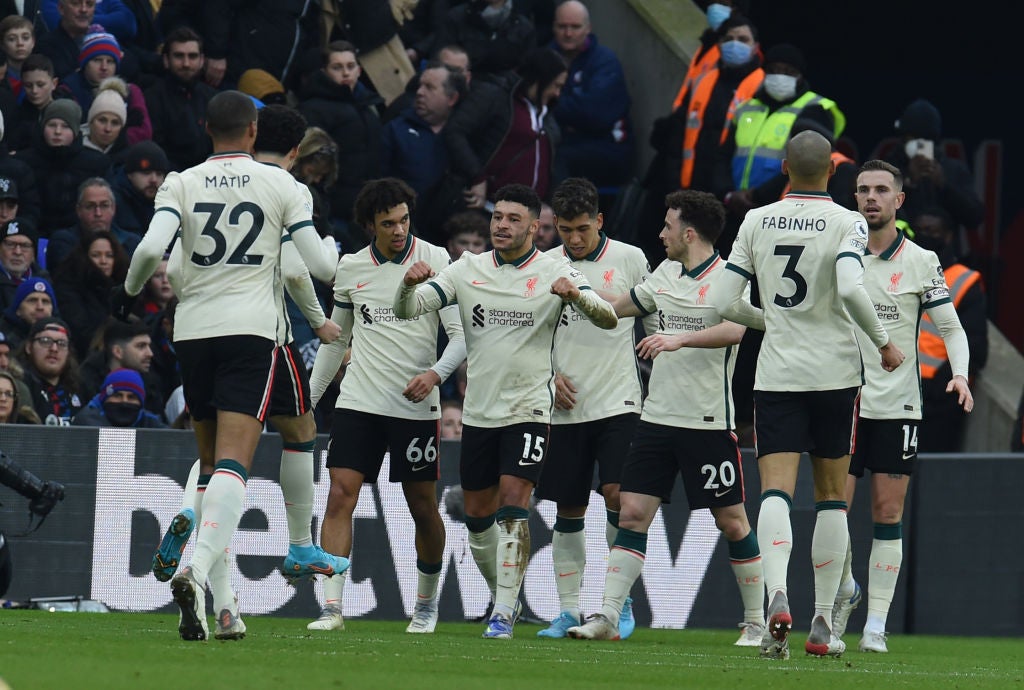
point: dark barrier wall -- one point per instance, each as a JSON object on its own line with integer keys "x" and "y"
{"x": 123, "y": 488}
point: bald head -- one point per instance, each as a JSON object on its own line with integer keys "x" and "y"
{"x": 572, "y": 27}
{"x": 808, "y": 160}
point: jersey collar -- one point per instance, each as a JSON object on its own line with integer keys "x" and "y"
{"x": 699, "y": 272}
{"x": 798, "y": 194}
{"x": 229, "y": 154}
{"x": 596, "y": 255}
{"x": 400, "y": 257}
{"x": 895, "y": 248}
{"x": 521, "y": 262}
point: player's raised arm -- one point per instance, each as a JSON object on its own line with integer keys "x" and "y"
{"x": 413, "y": 298}
{"x": 576, "y": 292}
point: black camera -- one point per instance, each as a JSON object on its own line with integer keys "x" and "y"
{"x": 42, "y": 496}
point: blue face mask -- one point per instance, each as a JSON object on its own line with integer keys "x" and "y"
{"x": 717, "y": 14}
{"x": 735, "y": 53}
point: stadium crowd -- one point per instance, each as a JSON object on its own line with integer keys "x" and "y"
{"x": 102, "y": 98}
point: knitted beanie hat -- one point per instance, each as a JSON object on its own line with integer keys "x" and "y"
{"x": 108, "y": 101}
{"x": 123, "y": 380}
{"x": 259, "y": 83}
{"x": 64, "y": 109}
{"x": 98, "y": 42}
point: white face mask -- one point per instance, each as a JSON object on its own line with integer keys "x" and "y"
{"x": 781, "y": 87}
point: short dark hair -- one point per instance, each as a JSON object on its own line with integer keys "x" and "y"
{"x": 574, "y": 197}
{"x": 182, "y": 34}
{"x": 453, "y": 48}
{"x": 541, "y": 66}
{"x": 884, "y": 166}
{"x": 702, "y": 210}
{"x": 377, "y": 196}
{"x": 520, "y": 194}
{"x": 37, "y": 62}
{"x": 229, "y": 113}
{"x": 455, "y": 81}
{"x": 471, "y": 220}
{"x": 338, "y": 47}
{"x": 121, "y": 333}
{"x": 279, "y": 129}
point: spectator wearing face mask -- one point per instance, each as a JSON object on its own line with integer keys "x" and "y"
{"x": 943, "y": 421}
{"x": 119, "y": 404}
{"x": 754, "y": 141}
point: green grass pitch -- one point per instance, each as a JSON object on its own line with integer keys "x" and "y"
{"x": 112, "y": 651}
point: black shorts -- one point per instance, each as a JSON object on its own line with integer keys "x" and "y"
{"x": 230, "y": 373}
{"x": 707, "y": 459}
{"x": 487, "y": 453}
{"x": 885, "y": 446}
{"x": 359, "y": 440}
{"x": 822, "y": 423}
{"x": 574, "y": 449}
{"x": 290, "y": 397}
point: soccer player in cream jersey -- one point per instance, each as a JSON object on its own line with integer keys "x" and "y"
{"x": 510, "y": 300}
{"x": 597, "y": 397}
{"x": 389, "y": 398}
{"x": 806, "y": 252}
{"x": 231, "y": 210}
{"x": 280, "y": 131}
{"x": 687, "y": 420}
{"x": 903, "y": 281}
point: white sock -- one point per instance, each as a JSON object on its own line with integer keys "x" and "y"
{"x": 222, "y": 510}
{"x": 569, "y": 556}
{"x": 334, "y": 588}
{"x": 219, "y": 579}
{"x": 426, "y": 584}
{"x": 883, "y": 572}
{"x": 484, "y": 547}
{"x": 624, "y": 567}
{"x": 188, "y": 498}
{"x": 846, "y": 584}
{"x": 750, "y": 578}
{"x": 512, "y": 555}
{"x": 828, "y": 553}
{"x": 775, "y": 541}
{"x": 297, "y": 488}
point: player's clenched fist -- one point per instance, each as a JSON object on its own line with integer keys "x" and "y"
{"x": 564, "y": 288}
{"x": 417, "y": 273}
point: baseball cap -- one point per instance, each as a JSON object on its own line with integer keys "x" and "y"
{"x": 8, "y": 188}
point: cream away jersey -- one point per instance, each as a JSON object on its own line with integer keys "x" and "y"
{"x": 232, "y": 210}
{"x": 387, "y": 351}
{"x": 600, "y": 363}
{"x": 791, "y": 247}
{"x": 509, "y": 317}
{"x": 902, "y": 281}
{"x": 691, "y": 387}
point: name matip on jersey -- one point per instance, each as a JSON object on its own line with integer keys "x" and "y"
{"x": 902, "y": 281}
{"x": 232, "y": 211}
{"x": 601, "y": 364}
{"x": 792, "y": 247}
{"x": 691, "y": 387}
{"x": 387, "y": 352}
{"x": 509, "y": 317}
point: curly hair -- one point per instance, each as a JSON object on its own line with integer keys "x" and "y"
{"x": 702, "y": 210}
{"x": 377, "y": 196}
{"x": 575, "y": 197}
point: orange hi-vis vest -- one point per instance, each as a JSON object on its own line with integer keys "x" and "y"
{"x": 701, "y": 94}
{"x": 697, "y": 68}
{"x": 836, "y": 156}
{"x": 931, "y": 350}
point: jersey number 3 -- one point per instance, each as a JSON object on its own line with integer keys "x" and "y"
{"x": 220, "y": 243}
{"x": 800, "y": 294}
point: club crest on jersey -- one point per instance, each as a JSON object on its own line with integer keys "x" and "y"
{"x": 609, "y": 276}
{"x": 702, "y": 293}
{"x": 894, "y": 281}
{"x": 531, "y": 287}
